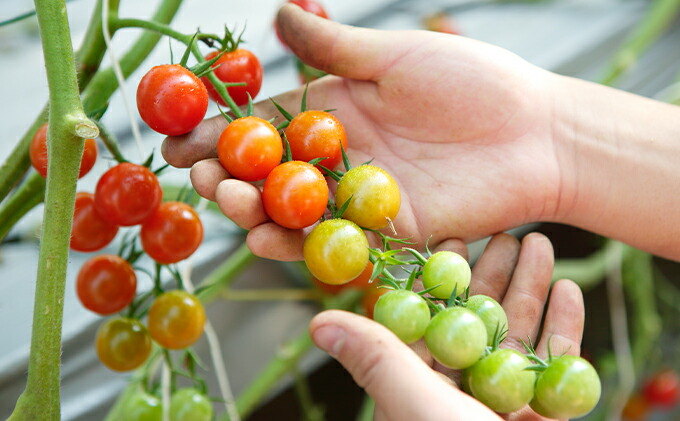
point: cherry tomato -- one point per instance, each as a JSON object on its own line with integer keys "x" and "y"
{"x": 238, "y": 66}
{"x": 316, "y": 134}
{"x": 106, "y": 284}
{"x": 295, "y": 195}
{"x": 374, "y": 193}
{"x": 123, "y": 344}
{"x": 249, "y": 148}
{"x": 142, "y": 406}
{"x": 636, "y": 409}
{"x": 456, "y": 337}
{"x": 568, "y": 388}
{"x": 127, "y": 194}
{"x": 172, "y": 233}
{"x": 361, "y": 283}
{"x": 662, "y": 389}
{"x": 189, "y": 404}
{"x": 372, "y": 296}
{"x": 403, "y": 312}
{"x": 500, "y": 381}
{"x": 90, "y": 232}
{"x": 171, "y": 99}
{"x": 38, "y": 153}
{"x": 311, "y": 6}
{"x": 491, "y": 313}
{"x": 176, "y": 319}
{"x": 450, "y": 271}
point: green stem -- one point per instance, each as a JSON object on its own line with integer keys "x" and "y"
{"x": 310, "y": 410}
{"x": 225, "y": 274}
{"x": 27, "y": 196}
{"x": 367, "y": 410}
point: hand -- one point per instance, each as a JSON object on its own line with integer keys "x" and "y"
{"x": 409, "y": 385}
{"x": 461, "y": 125}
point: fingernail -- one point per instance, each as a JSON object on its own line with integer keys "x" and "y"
{"x": 330, "y": 338}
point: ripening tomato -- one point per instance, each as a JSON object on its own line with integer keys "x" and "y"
{"x": 38, "y": 153}
{"x": 176, "y": 319}
{"x": 189, "y": 404}
{"x": 450, "y": 271}
{"x": 636, "y": 409}
{"x": 171, "y": 99}
{"x": 316, "y": 134}
{"x": 311, "y": 6}
{"x": 295, "y": 195}
{"x": 238, "y": 66}
{"x": 361, "y": 283}
{"x": 662, "y": 389}
{"x": 491, "y": 313}
{"x": 142, "y": 406}
{"x": 456, "y": 337}
{"x": 172, "y": 233}
{"x": 127, "y": 194}
{"x": 106, "y": 284}
{"x": 90, "y": 232}
{"x": 403, "y": 312}
{"x": 375, "y": 196}
{"x": 336, "y": 251}
{"x": 372, "y": 296}
{"x": 249, "y": 148}
{"x": 123, "y": 344}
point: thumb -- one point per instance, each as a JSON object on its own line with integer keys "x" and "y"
{"x": 402, "y": 385}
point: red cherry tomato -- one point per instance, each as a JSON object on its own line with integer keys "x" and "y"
{"x": 172, "y": 233}
{"x": 38, "y": 153}
{"x": 127, "y": 194}
{"x": 316, "y": 134}
{"x": 123, "y": 344}
{"x": 662, "y": 389}
{"x": 371, "y": 297}
{"x": 236, "y": 66}
{"x": 171, "y": 99}
{"x": 311, "y": 6}
{"x": 361, "y": 282}
{"x": 106, "y": 284}
{"x": 90, "y": 232}
{"x": 249, "y": 148}
{"x": 295, "y": 195}
{"x": 176, "y": 319}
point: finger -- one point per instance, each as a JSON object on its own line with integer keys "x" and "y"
{"x": 454, "y": 245}
{"x": 241, "y": 202}
{"x": 206, "y": 175}
{"x": 276, "y": 242}
{"x": 184, "y": 151}
{"x": 492, "y": 273}
{"x": 563, "y": 327}
{"x": 525, "y": 299}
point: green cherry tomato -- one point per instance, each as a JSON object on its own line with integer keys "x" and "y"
{"x": 336, "y": 251}
{"x": 456, "y": 337}
{"x": 122, "y": 344}
{"x": 491, "y": 313}
{"x": 449, "y": 270}
{"x": 189, "y": 404}
{"x": 568, "y": 388}
{"x": 375, "y": 196}
{"x": 142, "y": 406}
{"x": 500, "y": 381}
{"x": 403, "y": 312}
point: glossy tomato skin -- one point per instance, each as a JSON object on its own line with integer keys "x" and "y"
{"x": 188, "y": 404}
{"x": 90, "y": 232}
{"x": 568, "y": 388}
{"x": 123, "y": 344}
{"x": 491, "y": 313}
{"x": 38, "y": 153}
{"x": 172, "y": 233}
{"x": 249, "y": 148}
{"x": 449, "y": 270}
{"x": 456, "y": 337}
{"x": 176, "y": 319}
{"x": 371, "y": 298}
{"x": 336, "y": 251}
{"x": 171, "y": 99}
{"x": 316, "y": 134}
{"x": 662, "y": 389}
{"x": 295, "y": 195}
{"x": 500, "y": 381}
{"x": 106, "y": 284}
{"x": 403, "y": 312}
{"x": 142, "y": 406}
{"x": 361, "y": 283}
{"x": 311, "y": 6}
{"x": 127, "y": 194}
{"x": 238, "y": 66}
{"x": 375, "y": 196}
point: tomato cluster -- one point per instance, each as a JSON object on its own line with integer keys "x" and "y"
{"x": 660, "y": 391}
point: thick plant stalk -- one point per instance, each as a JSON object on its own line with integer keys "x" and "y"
{"x": 69, "y": 127}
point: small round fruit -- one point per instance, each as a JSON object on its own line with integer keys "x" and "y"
{"x": 172, "y": 233}
{"x": 403, "y": 312}
{"x": 38, "y": 153}
{"x": 361, "y": 283}
{"x": 106, "y": 284}
{"x": 456, "y": 337}
{"x": 189, "y": 404}
{"x": 316, "y": 134}
{"x": 450, "y": 271}
{"x": 238, "y": 66}
{"x": 123, "y": 344}
{"x": 491, "y": 313}
{"x": 142, "y": 406}
{"x": 90, "y": 231}
{"x": 176, "y": 319}
{"x": 662, "y": 389}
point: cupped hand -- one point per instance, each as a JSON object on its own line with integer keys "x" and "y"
{"x": 461, "y": 125}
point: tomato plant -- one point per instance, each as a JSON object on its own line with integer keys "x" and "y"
{"x": 403, "y": 312}
{"x": 371, "y": 297}
{"x": 238, "y": 66}
{"x": 456, "y": 337}
{"x": 361, "y": 282}
{"x": 171, "y": 99}
{"x": 492, "y": 314}
{"x": 176, "y": 319}
{"x": 375, "y": 196}
{"x": 249, "y": 148}
{"x": 38, "y": 153}
{"x": 142, "y": 406}
{"x": 450, "y": 271}
{"x": 172, "y": 233}
{"x": 316, "y": 134}
{"x": 295, "y": 195}
{"x": 90, "y": 232}
{"x": 106, "y": 284}
{"x": 336, "y": 251}
{"x": 123, "y": 344}
{"x": 189, "y": 404}
{"x": 127, "y": 194}
{"x": 662, "y": 389}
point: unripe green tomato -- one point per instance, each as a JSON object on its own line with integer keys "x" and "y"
{"x": 142, "y": 406}
{"x": 456, "y": 337}
{"x": 450, "y": 271}
{"x": 491, "y": 313}
{"x": 190, "y": 405}
{"x": 403, "y": 312}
